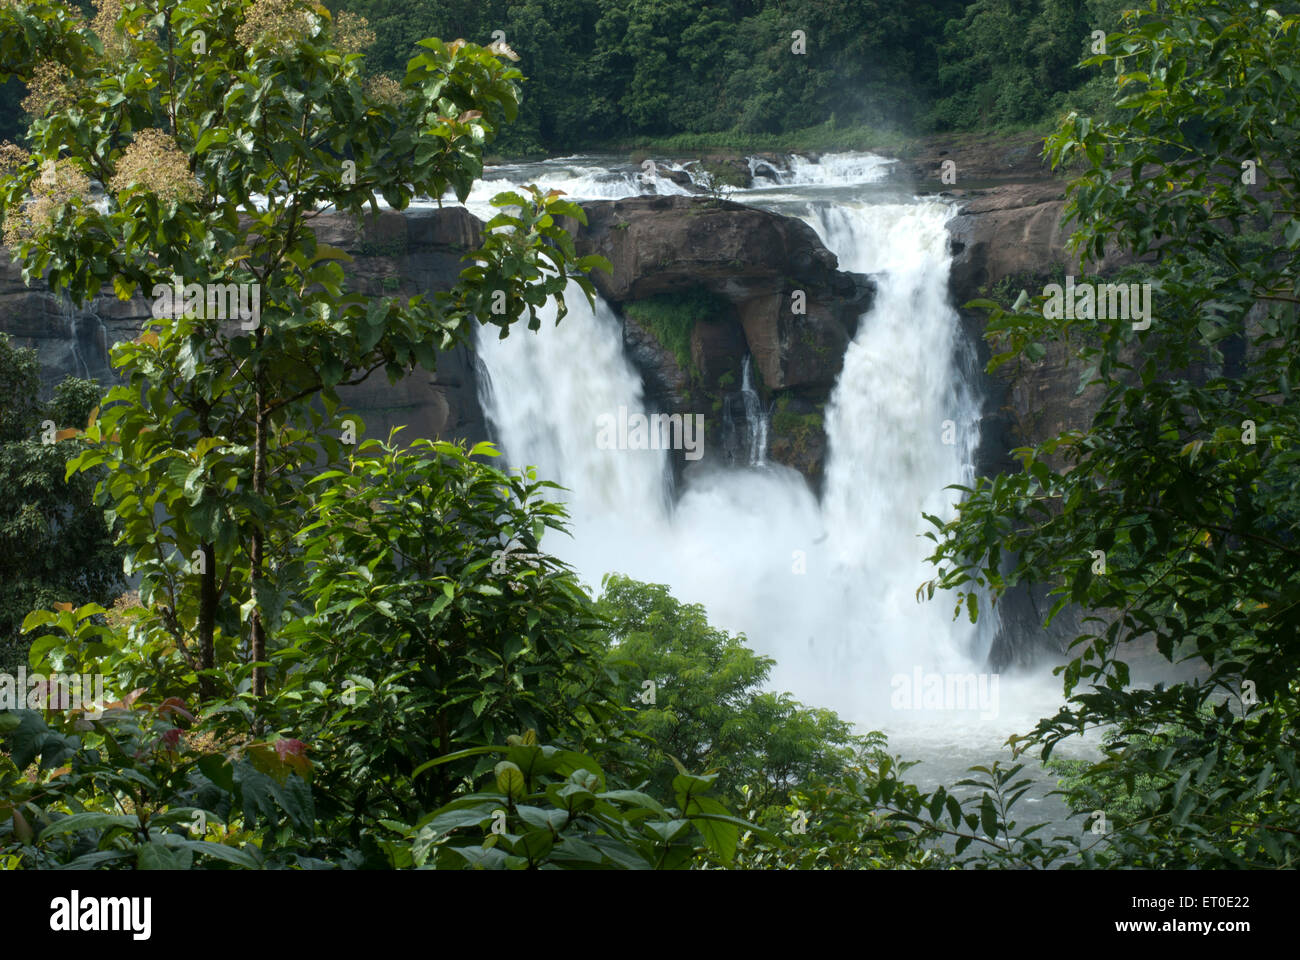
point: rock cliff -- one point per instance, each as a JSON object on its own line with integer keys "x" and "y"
{"x": 412, "y": 252}
{"x": 728, "y": 280}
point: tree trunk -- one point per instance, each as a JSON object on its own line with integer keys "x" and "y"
{"x": 207, "y": 589}
{"x": 257, "y": 634}
{"x": 207, "y": 620}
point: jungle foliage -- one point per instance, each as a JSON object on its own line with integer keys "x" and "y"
{"x": 355, "y": 653}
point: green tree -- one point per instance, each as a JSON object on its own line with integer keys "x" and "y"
{"x": 1186, "y": 478}
{"x": 602, "y": 70}
{"x": 215, "y": 449}
{"x": 448, "y": 641}
{"x": 1003, "y": 60}
{"x": 187, "y": 113}
{"x": 698, "y": 696}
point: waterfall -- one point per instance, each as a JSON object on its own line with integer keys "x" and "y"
{"x": 70, "y": 316}
{"x": 827, "y": 589}
{"x": 837, "y": 169}
{"x": 86, "y": 337}
{"x": 901, "y": 425}
{"x": 577, "y": 178}
{"x": 543, "y": 395}
{"x": 753, "y": 451}
{"x": 755, "y": 419}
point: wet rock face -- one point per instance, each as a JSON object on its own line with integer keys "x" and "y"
{"x": 773, "y": 293}
{"x": 1006, "y": 231}
{"x": 68, "y": 341}
{"x": 976, "y": 159}
{"x": 776, "y": 295}
{"x": 1014, "y": 231}
{"x": 416, "y": 252}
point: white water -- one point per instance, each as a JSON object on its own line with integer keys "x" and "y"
{"x": 888, "y": 463}
{"x": 827, "y": 589}
{"x": 578, "y": 178}
{"x": 838, "y": 169}
{"x": 755, "y": 418}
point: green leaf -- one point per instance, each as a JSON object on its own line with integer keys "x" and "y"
{"x": 219, "y": 770}
{"x": 38, "y": 618}
{"x": 954, "y": 810}
{"x": 89, "y": 821}
{"x": 553, "y": 820}
{"x": 452, "y": 757}
{"x": 240, "y": 857}
{"x": 159, "y": 856}
{"x": 535, "y": 844}
{"x": 721, "y": 830}
{"x": 988, "y": 816}
{"x": 635, "y": 797}
{"x": 510, "y": 779}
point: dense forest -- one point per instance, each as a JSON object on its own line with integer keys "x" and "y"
{"x": 323, "y": 661}
{"x": 619, "y": 71}
{"x": 604, "y": 72}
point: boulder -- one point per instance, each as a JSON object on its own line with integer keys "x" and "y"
{"x": 776, "y": 294}
{"x": 1015, "y": 231}
{"x": 753, "y": 259}
{"x": 1006, "y": 231}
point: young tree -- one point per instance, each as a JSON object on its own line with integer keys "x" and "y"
{"x": 220, "y": 131}
{"x": 697, "y": 695}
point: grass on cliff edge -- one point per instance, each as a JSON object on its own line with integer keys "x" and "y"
{"x": 822, "y": 138}
{"x": 671, "y": 318}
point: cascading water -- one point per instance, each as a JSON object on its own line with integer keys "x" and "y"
{"x": 543, "y": 395}
{"x": 827, "y": 589}
{"x": 901, "y": 426}
{"x": 575, "y": 177}
{"x": 85, "y": 333}
{"x": 755, "y": 418}
{"x": 752, "y": 450}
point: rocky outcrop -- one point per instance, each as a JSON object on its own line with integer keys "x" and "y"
{"x": 700, "y": 284}
{"x": 1012, "y": 230}
{"x": 417, "y": 251}
{"x": 742, "y": 280}
{"x": 972, "y": 159}
{"x": 68, "y": 341}
{"x": 738, "y": 280}
{"x": 755, "y": 260}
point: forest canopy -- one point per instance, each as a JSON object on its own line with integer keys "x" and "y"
{"x": 611, "y": 72}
